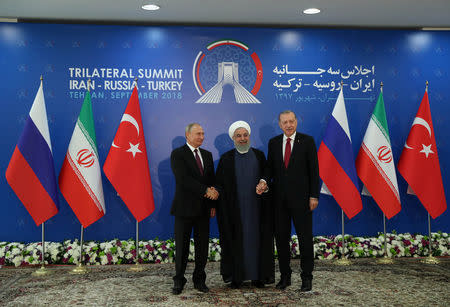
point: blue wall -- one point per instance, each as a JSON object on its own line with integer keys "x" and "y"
{"x": 297, "y": 69}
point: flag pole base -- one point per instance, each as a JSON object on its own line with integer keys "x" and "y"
{"x": 136, "y": 268}
{"x": 42, "y": 271}
{"x": 79, "y": 270}
{"x": 385, "y": 260}
{"x": 343, "y": 261}
{"x": 430, "y": 260}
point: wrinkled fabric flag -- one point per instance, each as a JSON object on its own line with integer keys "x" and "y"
{"x": 80, "y": 178}
{"x": 126, "y": 165}
{"x": 336, "y": 163}
{"x": 31, "y": 172}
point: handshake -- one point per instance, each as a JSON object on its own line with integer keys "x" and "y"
{"x": 211, "y": 193}
{"x": 261, "y": 187}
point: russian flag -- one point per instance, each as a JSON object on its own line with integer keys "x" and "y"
{"x": 31, "y": 173}
{"x": 336, "y": 163}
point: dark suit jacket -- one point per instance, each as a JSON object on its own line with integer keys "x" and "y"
{"x": 300, "y": 180}
{"x": 190, "y": 184}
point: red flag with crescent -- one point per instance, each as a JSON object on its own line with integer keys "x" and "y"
{"x": 126, "y": 165}
{"x": 419, "y": 162}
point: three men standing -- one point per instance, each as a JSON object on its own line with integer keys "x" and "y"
{"x": 245, "y": 218}
{"x": 192, "y": 206}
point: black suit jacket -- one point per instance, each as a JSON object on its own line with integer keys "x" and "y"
{"x": 191, "y": 186}
{"x": 300, "y": 181}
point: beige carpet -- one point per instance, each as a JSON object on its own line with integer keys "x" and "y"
{"x": 408, "y": 282}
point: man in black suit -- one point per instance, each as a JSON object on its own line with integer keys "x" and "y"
{"x": 293, "y": 170}
{"x": 192, "y": 206}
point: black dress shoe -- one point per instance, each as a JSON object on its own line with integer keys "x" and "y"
{"x": 226, "y": 279}
{"x": 235, "y": 285}
{"x": 178, "y": 286}
{"x": 268, "y": 281}
{"x": 257, "y": 284}
{"x": 306, "y": 285}
{"x": 201, "y": 287}
{"x": 284, "y": 282}
{"x": 176, "y": 291}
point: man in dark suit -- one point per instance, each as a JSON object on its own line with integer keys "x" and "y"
{"x": 293, "y": 170}
{"x": 192, "y": 206}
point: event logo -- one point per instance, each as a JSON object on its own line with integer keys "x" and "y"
{"x": 227, "y": 63}
{"x": 85, "y": 158}
{"x": 384, "y": 154}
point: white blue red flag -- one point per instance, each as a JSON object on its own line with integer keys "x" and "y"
{"x": 336, "y": 163}
{"x": 31, "y": 173}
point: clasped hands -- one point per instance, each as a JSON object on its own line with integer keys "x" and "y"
{"x": 211, "y": 193}
{"x": 261, "y": 187}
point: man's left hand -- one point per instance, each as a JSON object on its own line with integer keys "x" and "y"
{"x": 313, "y": 203}
{"x": 213, "y": 212}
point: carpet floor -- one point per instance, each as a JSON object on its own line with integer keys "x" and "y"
{"x": 407, "y": 282}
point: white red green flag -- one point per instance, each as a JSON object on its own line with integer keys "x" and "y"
{"x": 80, "y": 178}
{"x": 375, "y": 163}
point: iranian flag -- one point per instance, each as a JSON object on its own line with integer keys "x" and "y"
{"x": 80, "y": 178}
{"x": 375, "y": 163}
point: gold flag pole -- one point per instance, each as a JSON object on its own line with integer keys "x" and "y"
{"x": 137, "y": 267}
{"x": 343, "y": 260}
{"x": 42, "y": 270}
{"x": 80, "y": 268}
{"x": 385, "y": 259}
{"x": 430, "y": 259}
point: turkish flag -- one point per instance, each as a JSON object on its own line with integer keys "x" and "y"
{"x": 126, "y": 165}
{"x": 419, "y": 162}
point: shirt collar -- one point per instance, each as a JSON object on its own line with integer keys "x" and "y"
{"x": 292, "y": 137}
{"x": 192, "y": 148}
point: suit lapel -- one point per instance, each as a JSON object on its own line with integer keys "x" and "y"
{"x": 279, "y": 152}
{"x": 205, "y": 165}
{"x": 191, "y": 159}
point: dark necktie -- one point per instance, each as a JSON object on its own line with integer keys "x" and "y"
{"x": 287, "y": 152}
{"x": 199, "y": 163}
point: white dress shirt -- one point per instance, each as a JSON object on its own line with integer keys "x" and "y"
{"x": 192, "y": 148}
{"x": 292, "y": 137}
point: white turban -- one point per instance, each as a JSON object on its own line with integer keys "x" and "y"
{"x": 236, "y": 125}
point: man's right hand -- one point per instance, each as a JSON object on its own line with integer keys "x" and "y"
{"x": 261, "y": 187}
{"x": 211, "y": 193}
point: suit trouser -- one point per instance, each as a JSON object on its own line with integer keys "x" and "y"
{"x": 303, "y": 226}
{"x": 183, "y": 230}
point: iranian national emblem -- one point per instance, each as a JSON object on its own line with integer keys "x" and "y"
{"x": 384, "y": 154}
{"x": 227, "y": 62}
{"x": 85, "y": 158}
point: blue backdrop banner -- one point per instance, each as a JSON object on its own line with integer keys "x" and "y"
{"x": 216, "y": 76}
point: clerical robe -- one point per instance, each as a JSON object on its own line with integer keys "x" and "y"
{"x": 245, "y": 219}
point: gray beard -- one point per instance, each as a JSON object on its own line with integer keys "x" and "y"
{"x": 242, "y": 149}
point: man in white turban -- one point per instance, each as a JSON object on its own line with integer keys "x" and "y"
{"x": 244, "y": 217}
